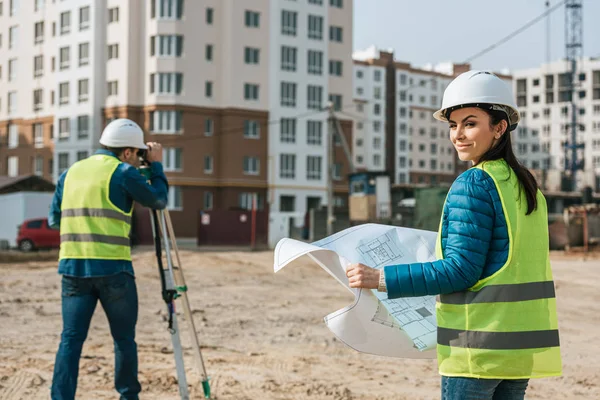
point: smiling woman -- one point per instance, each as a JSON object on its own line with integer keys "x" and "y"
{"x": 496, "y": 314}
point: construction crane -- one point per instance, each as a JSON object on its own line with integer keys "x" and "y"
{"x": 574, "y": 54}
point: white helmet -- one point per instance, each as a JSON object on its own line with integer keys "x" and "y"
{"x": 123, "y": 132}
{"x": 479, "y": 89}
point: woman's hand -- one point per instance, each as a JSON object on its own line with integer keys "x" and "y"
{"x": 361, "y": 276}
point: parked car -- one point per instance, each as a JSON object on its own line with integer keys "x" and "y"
{"x": 36, "y": 234}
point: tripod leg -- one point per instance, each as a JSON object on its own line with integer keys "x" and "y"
{"x": 168, "y": 288}
{"x": 188, "y": 311}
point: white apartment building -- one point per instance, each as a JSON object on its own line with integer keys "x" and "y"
{"x": 544, "y": 101}
{"x": 234, "y": 91}
{"x": 394, "y": 126}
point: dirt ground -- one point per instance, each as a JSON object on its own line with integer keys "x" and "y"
{"x": 262, "y": 335}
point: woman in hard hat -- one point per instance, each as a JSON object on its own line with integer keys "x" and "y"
{"x": 496, "y": 313}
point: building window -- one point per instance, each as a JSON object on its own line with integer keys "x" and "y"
{"x": 208, "y": 200}
{"x": 317, "y": 2}
{"x": 336, "y": 3}
{"x": 287, "y": 203}
{"x": 251, "y": 55}
{"x": 166, "y": 121}
{"x": 289, "y": 22}
{"x": 113, "y": 88}
{"x": 313, "y": 167}
{"x": 113, "y": 51}
{"x": 335, "y": 34}
{"x": 314, "y": 132}
{"x": 113, "y": 15}
{"x": 251, "y": 129}
{"x": 38, "y": 135}
{"x": 84, "y": 54}
{"x": 83, "y": 85}
{"x": 83, "y": 126}
{"x": 13, "y": 166}
{"x": 337, "y": 171}
{"x": 63, "y": 93}
{"x": 208, "y": 164}
{"x": 208, "y": 89}
{"x": 13, "y": 8}
{"x": 64, "y": 129}
{"x": 315, "y": 97}
{"x": 166, "y": 83}
{"x": 252, "y": 19}
{"x": 315, "y": 27}
{"x": 82, "y": 155}
{"x": 172, "y": 159}
{"x": 251, "y": 165}
{"x": 250, "y": 91}
{"x": 65, "y": 57}
{"x": 38, "y": 99}
{"x": 288, "y": 94}
{"x": 175, "y": 198}
{"x": 167, "y": 9}
{"x": 63, "y": 162}
{"x": 167, "y": 46}
{"x": 38, "y": 32}
{"x": 288, "y": 58}
{"x": 38, "y": 66}
{"x": 336, "y": 99}
{"x": 38, "y": 165}
{"x": 287, "y": 169}
{"x": 247, "y": 199}
{"x": 84, "y": 18}
{"x": 287, "y": 130}
{"x": 65, "y": 22}
{"x": 13, "y": 36}
{"x": 13, "y": 136}
{"x": 210, "y": 15}
{"x": 12, "y": 70}
{"x": 335, "y": 67}
{"x": 315, "y": 62}
{"x": 208, "y": 127}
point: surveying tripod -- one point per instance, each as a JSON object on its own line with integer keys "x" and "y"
{"x": 174, "y": 287}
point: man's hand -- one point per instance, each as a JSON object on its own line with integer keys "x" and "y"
{"x": 154, "y": 152}
{"x": 361, "y": 276}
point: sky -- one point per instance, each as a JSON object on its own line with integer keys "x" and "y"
{"x": 432, "y": 31}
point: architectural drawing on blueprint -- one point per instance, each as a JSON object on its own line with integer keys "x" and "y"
{"x": 380, "y": 251}
{"x": 413, "y": 315}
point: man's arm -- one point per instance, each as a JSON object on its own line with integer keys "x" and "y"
{"x": 153, "y": 195}
{"x": 55, "y": 206}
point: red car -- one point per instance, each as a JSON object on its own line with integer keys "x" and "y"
{"x": 36, "y": 234}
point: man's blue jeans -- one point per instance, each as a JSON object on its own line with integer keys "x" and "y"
{"x": 483, "y": 389}
{"x": 118, "y": 297}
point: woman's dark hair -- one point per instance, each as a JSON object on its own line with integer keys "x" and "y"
{"x": 503, "y": 149}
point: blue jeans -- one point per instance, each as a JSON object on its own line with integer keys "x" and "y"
{"x": 118, "y": 297}
{"x": 483, "y": 389}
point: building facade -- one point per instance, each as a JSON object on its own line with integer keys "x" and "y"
{"x": 236, "y": 95}
{"x": 544, "y": 98}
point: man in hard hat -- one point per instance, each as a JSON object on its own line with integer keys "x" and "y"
{"x": 92, "y": 206}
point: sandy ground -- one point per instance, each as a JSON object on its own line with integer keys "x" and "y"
{"x": 262, "y": 335}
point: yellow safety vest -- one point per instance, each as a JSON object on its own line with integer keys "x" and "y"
{"x": 91, "y": 226}
{"x": 505, "y": 326}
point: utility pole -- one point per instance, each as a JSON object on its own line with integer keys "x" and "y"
{"x": 574, "y": 53}
{"x": 330, "y": 167}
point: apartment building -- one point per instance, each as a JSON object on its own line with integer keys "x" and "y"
{"x": 545, "y": 102}
{"x": 394, "y": 126}
{"x": 235, "y": 93}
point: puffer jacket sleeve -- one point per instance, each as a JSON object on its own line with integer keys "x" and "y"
{"x": 468, "y": 224}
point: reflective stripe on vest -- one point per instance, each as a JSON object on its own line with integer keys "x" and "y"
{"x": 92, "y": 227}
{"x": 505, "y": 326}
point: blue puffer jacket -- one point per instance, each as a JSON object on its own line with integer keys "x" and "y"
{"x": 474, "y": 241}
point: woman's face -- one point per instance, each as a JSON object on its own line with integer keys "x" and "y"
{"x": 471, "y": 133}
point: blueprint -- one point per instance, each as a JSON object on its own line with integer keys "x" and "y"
{"x": 373, "y": 324}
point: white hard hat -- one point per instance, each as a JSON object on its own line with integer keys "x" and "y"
{"x": 479, "y": 89}
{"x": 123, "y": 132}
